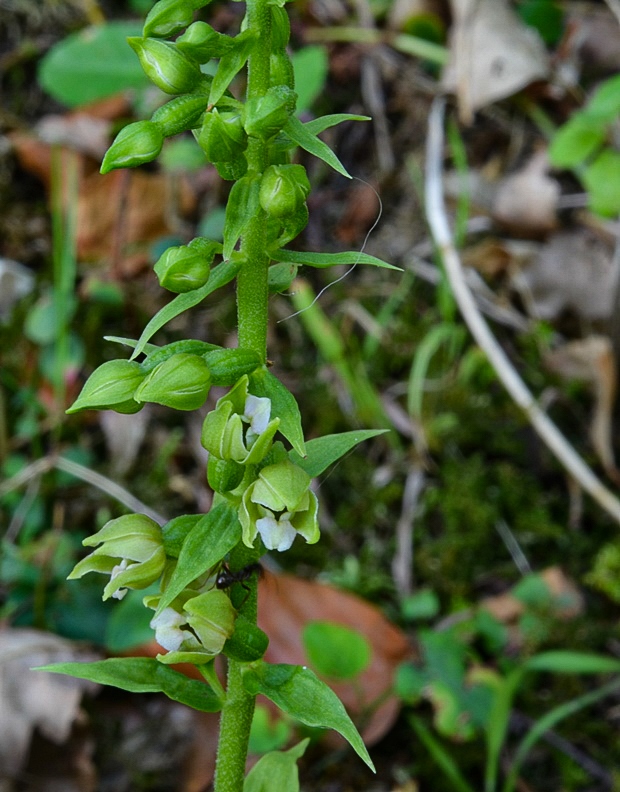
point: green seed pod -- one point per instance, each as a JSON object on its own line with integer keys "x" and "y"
{"x": 165, "y": 65}
{"x": 186, "y": 267}
{"x": 181, "y": 382}
{"x": 229, "y": 365}
{"x": 224, "y": 475}
{"x": 222, "y": 137}
{"x": 248, "y": 642}
{"x": 179, "y": 114}
{"x": 281, "y": 70}
{"x": 280, "y": 28}
{"x": 264, "y": 116}
{"x": 134, "y": 145}
{"x": 167, "y": 17}
{"x": 201, "y": 42}
{"x": 283, "y": 189}
{"x": 111, "y": 386}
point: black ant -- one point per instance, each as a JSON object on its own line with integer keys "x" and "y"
{"x": 226, "y": 577}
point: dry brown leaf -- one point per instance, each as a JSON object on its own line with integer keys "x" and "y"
{"x": 595, "y": 34}
{"x": 526, "y": 202}
{"x": 493, "y": 54}
{"x": 360, "y": 214}
{"x": 592, "y": 360}
{"x": 32, "y": 700}
{"x": 287, "y": 604}
{"x": 572, "y": 271}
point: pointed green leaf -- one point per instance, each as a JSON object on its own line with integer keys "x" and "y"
{"x": 324, "y": 451}
{"x": 132, "y": 343}
{"x": 311, "y": 143}
{"x": 318, "y": 125}
{"x": 205, "y": 545}
{"x": 283, "y": 406}
{"x": 567, "y": 662}
{"x": 276, "y": 770}
{"x": 322, "y": 260}
{"x": 230, "y": 64}
{"x": 220, "y": 276}
{"x": 142, "y": 675}
{"x": 302, "y": 695}
{"x": 241, "y": 209}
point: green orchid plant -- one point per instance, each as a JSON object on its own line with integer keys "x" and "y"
{"x": 260, "y": 467}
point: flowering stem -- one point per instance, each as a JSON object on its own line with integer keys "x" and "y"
{"x": 252, "y": 306}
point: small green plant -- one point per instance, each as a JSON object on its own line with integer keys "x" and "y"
{"x": 260, "y": 467}
{"x": 473, "y": 701}
{"x": 585, "y": 144}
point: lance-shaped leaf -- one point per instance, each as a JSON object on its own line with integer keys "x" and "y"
{"x": 283, "y": 406}
{"x": 241, "y": 208}
{"x": 230, "y": 64}
{"x": 142, "y": 675}
{"x": 220, "y": 276}
{"x": 297, "y": 691}
{"x": 318, "y": 125}
{"x": 205, "y": 545}
{"x": 308, "y": 141}
{"x": 322, "y": 260}
{"x": 276, "y": 770}
{"x": 324, "y": 451}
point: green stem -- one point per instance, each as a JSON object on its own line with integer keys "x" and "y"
{"x": 252, "y": 307}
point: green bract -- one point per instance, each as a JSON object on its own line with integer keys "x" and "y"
{"x": 266, "y": 115}
{"x": 227, "y": 366}
{"x": 201, "y": 42}
{"x": 131, "y": 551}
{"x": 165, "y": 65}
{"x": 110, "y": 387}
{"x": 187, "y": 267}
{"x": 181, "y": 382}
{"x": 239, "y": 428}
{"x": 278, "y": 506}
{"x": 248, "y": 642}
{"x": 283, "y": 189}
{"x": 134, "y": 145}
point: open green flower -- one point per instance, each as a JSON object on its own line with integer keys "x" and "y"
{"x": 239, "y": 428}
{"x": 193, "y": 629}
{"x": 131, "y": 552}
{"x": 278, "y": 506}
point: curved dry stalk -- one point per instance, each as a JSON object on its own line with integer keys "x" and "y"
{"x": 440, "y": 230}
{"x": 91, "y": 477}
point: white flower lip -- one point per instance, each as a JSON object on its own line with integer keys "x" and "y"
{"x": 277, "y": 534}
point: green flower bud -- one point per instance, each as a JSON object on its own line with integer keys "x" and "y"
{"x": 222, "y": 137}
{"x": 131, "y": 551}
{"x": 248, "y": 642}
{"x": 265, "y": 116}
{"x": 159, "y": 354}
{"x": 278, "y": 506}
{"x": 227, "y": 366}
{"x": 281, "y": 276}
{"x": 186, "y": 267}
{"x": 280, "y": 28}
{"x": 281, "y": 70}
{"x": 239, "y": 428}
{"x": 232, "y": 171}
{"x": 111, "y": 386}
{"x": 134, "y": 145}
{"x": 165, "y": 65}
{"x": 179, "y": 114}
{"x": 181, "y": 382}
{"x": 292, "y": 225}
{"x": 167, "y": 17}
{"x": 224, "y": 475}
{"x": 201, "y": 42}
{"x": 283, "y": 189}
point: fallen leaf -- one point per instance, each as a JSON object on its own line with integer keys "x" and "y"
{"x": 287, "y": 604}
{"x": 592, "y": 360}
{"x": 493, "y": 54}
{"x": 572, "y": 271}
{"x": 362, "y": 211}
{"x": 596, "y": 36}
{"x": 32, "y": 700}
{"x": 526, "y": 201}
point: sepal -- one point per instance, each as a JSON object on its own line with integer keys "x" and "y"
{"x": 181, "y": 382}
{"x": 165, "y": 65}
{"x": 111, "y": 386}
{"x": 201, "y": 42}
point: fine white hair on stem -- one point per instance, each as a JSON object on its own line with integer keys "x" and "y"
{"x": 519, "y": 392}
{"x": 353, "y": 266}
